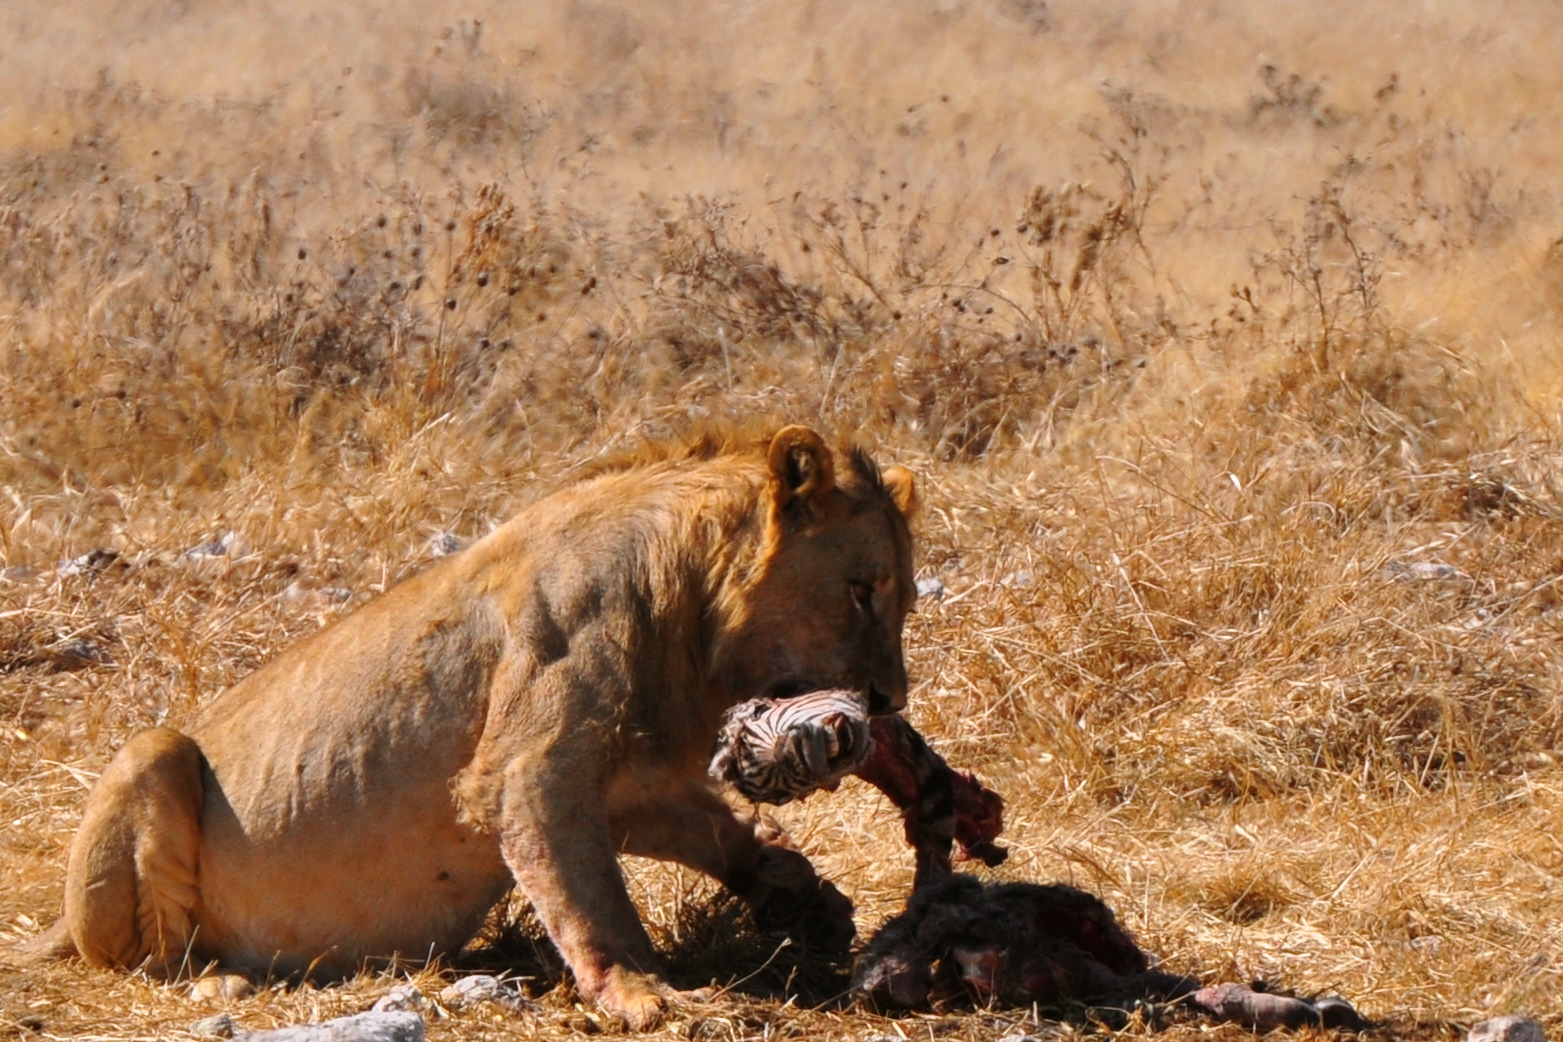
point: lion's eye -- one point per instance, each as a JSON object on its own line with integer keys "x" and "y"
{"x": 863, "y": 594}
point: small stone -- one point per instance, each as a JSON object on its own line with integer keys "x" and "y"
{"x": 87, "y": 564}
{"x": 1473, "y": 622}
{"x": 1421, "y": 571}
{"x": 219, "y": 1026}
{"x": 365, "y": 1027}
{"x": 478, "y": 989}
{"x": 443, "y": 544}
{"x": 932, "y": 586}
{"x": 79, "y": 653}
{"x": 1507, "y": 1029}
{"x": 311, "y": 596}
{"x": 400, "y": 999}
{"x": 220, "y": 547}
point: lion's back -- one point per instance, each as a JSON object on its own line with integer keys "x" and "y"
{"x": 328, "y": 820}
{"x": 390, "y": 696}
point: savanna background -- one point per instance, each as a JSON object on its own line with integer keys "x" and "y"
{"x": 1225, "y": 337}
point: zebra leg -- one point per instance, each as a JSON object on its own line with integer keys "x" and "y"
{"x": 697, "y": 828}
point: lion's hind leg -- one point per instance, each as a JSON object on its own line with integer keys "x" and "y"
{"x": 130, "y": 888}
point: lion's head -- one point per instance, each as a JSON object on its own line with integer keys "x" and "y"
{"x": 834, "y": 583}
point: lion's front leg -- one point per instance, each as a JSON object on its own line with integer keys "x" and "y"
{"x": 556, "y": 841}
{"x": 694, "y": 826}
{"x": 785, "y": 892}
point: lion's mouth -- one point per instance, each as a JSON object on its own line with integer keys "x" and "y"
{"x": 877, "y": 701}
{"x": 791, "y": 688}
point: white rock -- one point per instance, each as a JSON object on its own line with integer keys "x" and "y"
{"x": 1421, "y": 571}
{"x": 78, "y": 652}
{"x": 87, "y": 563}
{"x": 297, "y": 593}
{"x": 932, "y": 586}
{"x": 478, "y": 989}
{"x": 219, "y": 547}
{"x": 365, "y": 1027}
{"x": 443, "y": 544}
{"x": 400, "y": 999}
{"x": 219, "y": 1026}
{"x": 1507, "y": 1029}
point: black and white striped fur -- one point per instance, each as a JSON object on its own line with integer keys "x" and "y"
{"x": 778, "y": 750}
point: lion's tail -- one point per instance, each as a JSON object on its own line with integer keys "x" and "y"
{"x": 53, "y": 944}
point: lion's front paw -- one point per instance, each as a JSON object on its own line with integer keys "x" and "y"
{"x": 819, "y": 916}
{"x": 790, "y": 896}
{"x": 826, "y": 920}
{"x": 634, "y": 996}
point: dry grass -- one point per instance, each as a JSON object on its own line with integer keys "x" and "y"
{"x": 1212, "y": 329}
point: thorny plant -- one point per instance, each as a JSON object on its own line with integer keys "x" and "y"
{"x": 1334, "y": 262}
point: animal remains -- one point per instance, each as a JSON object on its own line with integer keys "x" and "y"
{"x": 778, "y": 750}
{"x": 959, "y": 941}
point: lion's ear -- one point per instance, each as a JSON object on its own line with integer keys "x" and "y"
{"x": 801, "y": 466}
{"x": 902, "y": 487}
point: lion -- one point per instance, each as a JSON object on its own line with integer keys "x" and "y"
{"x": 514, "y": 716}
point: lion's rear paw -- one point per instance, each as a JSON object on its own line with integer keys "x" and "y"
{"x": 221, "y": 987}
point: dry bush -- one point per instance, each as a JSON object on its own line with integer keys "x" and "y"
{"x": 1223, "y": 338}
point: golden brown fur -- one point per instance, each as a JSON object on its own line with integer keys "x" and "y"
{"x": 515, "y": 715}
